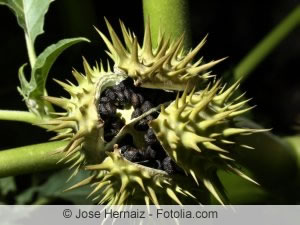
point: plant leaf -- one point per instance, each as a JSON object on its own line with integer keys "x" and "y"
{"x": 56, "y": 184}
{"x": 7, "y": 184}
{"x": 30, "y": 15}
{"x": 34, "y": 90}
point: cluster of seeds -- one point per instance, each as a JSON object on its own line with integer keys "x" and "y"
{"x": 125, "y": 95}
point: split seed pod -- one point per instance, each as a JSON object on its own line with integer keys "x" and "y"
{"x": 188, "y": 137}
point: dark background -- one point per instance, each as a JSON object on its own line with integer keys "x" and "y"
{"x": 234, "y": 27}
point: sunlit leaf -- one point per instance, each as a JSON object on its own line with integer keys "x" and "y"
{"x": 30, "y": 15}
{"x": 33, "y": 90}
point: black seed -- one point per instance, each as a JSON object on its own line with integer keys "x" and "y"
{"x": 143, "y": 154}
{"x": 150, "y": 138}
{"x": 110, "y": 94}
{"x": 132, "y": 155}
{"x": 110, "y": 108}
{"x": 150, "y": 133}
{"x": 104, "y": 99}
{"x": 150, "y": 153}
{"x": 135, "y": 100}
{"x": 101, "y": 108}
{"x": 141, "y": 99}
{"x": 136, "y": 113}
{"x": 124, "y": 148}
{"x": 127, "y": 94}
{"x": 102, "y": 111}
{"x": 117, "y": 88}
{"x": 122, "y": 85}
{"x": 146, "y": 106}
{"x": 169, "y": 166}
{"x": 118, "y": 124}
{"x": 121, "y": 98}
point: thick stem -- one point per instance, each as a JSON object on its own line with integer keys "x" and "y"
{"x": 264, "y": 48}
{"x": 30, "y": 159}
{"x": 172, "y": 16}
{"x": 273, "y": 161}
{"x": 20, "y": 116}
{"x": 274, "y": 164}
{"x": 240, "y": 191}
{"x": 294, "y": 141}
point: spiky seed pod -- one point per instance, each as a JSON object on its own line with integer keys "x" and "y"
{"x": 196, "y": 131}
{"x": 107, "y": 122}
{"x": 166, "y": 67}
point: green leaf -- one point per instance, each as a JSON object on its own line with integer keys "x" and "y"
{"x": 26, "y": 196}
{"x": 34, "y": 90}
{"x": 7, "y": 184}
{"x": 55, "y": 186}
{"x": 30, "y": 15}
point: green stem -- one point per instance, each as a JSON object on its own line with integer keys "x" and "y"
{"x": 30, "y": 159}
{"x": 273, "y": 161}
{"x": 21, "y": 116}
{"x": 294, "y": 141}
{"x": 246, "y": 193}
{"x": 264, "y": 48}
{"x": 172, "y": 16}
{"x": 30, "y": 51}
{"x": 274, "y": 164}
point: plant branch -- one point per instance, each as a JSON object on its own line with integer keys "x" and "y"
{"x": 172, "y": 16}
{"x": 273, "y": 160}
{"x": 21, "y": 116}
{"x": 265, "y": 47}
{"x": 30, "y": 159}
{"x": 30, "y": 50}
{"x": 294, "y": 141}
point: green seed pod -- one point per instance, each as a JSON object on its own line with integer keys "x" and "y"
{"x": 197, "y": 129}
